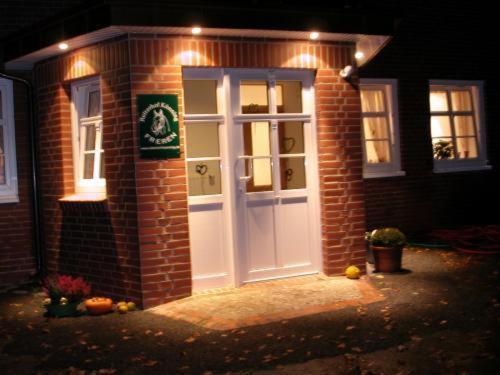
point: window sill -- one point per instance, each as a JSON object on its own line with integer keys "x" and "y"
{"x": 84, "y": 198}
{"x": 369, "y": 175}
{"x": 469, "y": 168}
{"x": 9, "y": 198}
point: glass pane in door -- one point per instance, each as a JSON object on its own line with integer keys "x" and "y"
{"x": 291, "y": 137}
{"x": 253, "y": 97}
{"x": 202, "y": 139}
{"x": 257, "y": 143}
{"x": 200, "y": 96}
{"x": 289, "y": 96}
{"x": 293, "y": 173}
{"x": 204, "y": 177}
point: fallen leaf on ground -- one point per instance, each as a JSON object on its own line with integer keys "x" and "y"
{"x": 106, "y": 371}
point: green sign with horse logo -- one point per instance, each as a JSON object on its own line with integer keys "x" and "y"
{"x": 158, "y": 126}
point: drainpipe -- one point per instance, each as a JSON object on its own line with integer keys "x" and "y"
{"x": 36, "y": 204}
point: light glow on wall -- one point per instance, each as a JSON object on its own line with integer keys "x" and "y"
{"x": 63, "y": 46}
{"x": 196, "y": 30}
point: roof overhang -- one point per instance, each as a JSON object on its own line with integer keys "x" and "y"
{"x": 368, "y": 44}
{"x": 106, "y": 19}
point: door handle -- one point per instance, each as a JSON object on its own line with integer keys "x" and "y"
{"x": 245, "y": 179}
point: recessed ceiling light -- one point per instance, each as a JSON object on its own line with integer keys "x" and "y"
{"x": 314, "y": 35}
{"x": 196, "y": 30}
{"x": 359, "y": 55}
{"x": 63, "y": 46}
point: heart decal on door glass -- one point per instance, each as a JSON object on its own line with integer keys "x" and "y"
{"x": 288, "y": 144}
{"x": 201, "y": 169}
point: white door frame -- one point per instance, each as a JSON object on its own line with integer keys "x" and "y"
{"x": 229, "y": 116}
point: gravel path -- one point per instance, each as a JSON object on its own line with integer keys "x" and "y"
{"x": 440, "y": 317}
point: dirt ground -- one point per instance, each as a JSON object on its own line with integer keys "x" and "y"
{"x": 441, "y": 316}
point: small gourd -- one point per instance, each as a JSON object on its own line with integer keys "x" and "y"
{"x": 99, "y": 305}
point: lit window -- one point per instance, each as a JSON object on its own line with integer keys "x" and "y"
{"x": 8, "y": 170}
{"x": 457, "y": 128}
{"x": 380, "y": 128}
{"x": 87, "y": 137}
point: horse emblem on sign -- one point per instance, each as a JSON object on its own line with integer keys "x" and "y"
{"x": 158, "y": 125}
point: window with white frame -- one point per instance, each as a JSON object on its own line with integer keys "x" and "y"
{"x": 457, "y": 125}
{"x": 380, "y": 128}
{"x": 87, "y": 136}
{"x": 202, "y": 125}
{"x": 8, "y": 170}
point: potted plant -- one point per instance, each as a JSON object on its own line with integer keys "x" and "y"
{"x": 443, "y": 150}
{"x": 64, "y": 294}
{"x": 387, "y": 246}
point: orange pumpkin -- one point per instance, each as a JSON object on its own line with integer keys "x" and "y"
{"x": 98, "y": 305}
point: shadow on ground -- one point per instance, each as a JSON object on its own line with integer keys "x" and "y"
{"x": 442, "y": 317}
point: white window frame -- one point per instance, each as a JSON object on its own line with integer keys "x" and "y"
{"x": 79, "y": 97}
{"x": 477, "y": 90}
{"x": 393, "y": 168}
{"x": 9, "y": 191}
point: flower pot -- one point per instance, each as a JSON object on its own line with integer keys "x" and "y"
{"x": 387, "y": 259}
{"x": 59, "y": 311}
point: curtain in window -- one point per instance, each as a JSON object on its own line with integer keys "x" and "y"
{"x": 375, "y": 126}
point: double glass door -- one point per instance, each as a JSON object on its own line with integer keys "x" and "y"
{"x": 268, "y": 182}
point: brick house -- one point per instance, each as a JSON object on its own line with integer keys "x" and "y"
{"x": 179, "y": 148}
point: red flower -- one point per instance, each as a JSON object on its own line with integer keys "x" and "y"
{"x": 73, "y": 289}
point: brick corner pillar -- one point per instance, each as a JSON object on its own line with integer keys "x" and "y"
{"x": 161, "y": 188}
{"x": 340, "y": 172}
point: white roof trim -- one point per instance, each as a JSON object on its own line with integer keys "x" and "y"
{"x": 26, "y": 62}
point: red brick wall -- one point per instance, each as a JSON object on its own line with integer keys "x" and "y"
{"x": 96, "y": 240}
{"x": 17, "y": 260}
{"x": 423, "y": 48}
{"x": 137, "y": 242}
{"x": 156, "y": 64}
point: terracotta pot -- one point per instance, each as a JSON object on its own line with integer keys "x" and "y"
{"x": 387, "y": 259}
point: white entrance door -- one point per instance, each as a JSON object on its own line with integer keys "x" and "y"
{"x": 275, "y": 173}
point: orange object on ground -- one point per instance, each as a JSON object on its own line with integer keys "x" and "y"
{"x": 98, "y": 305}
